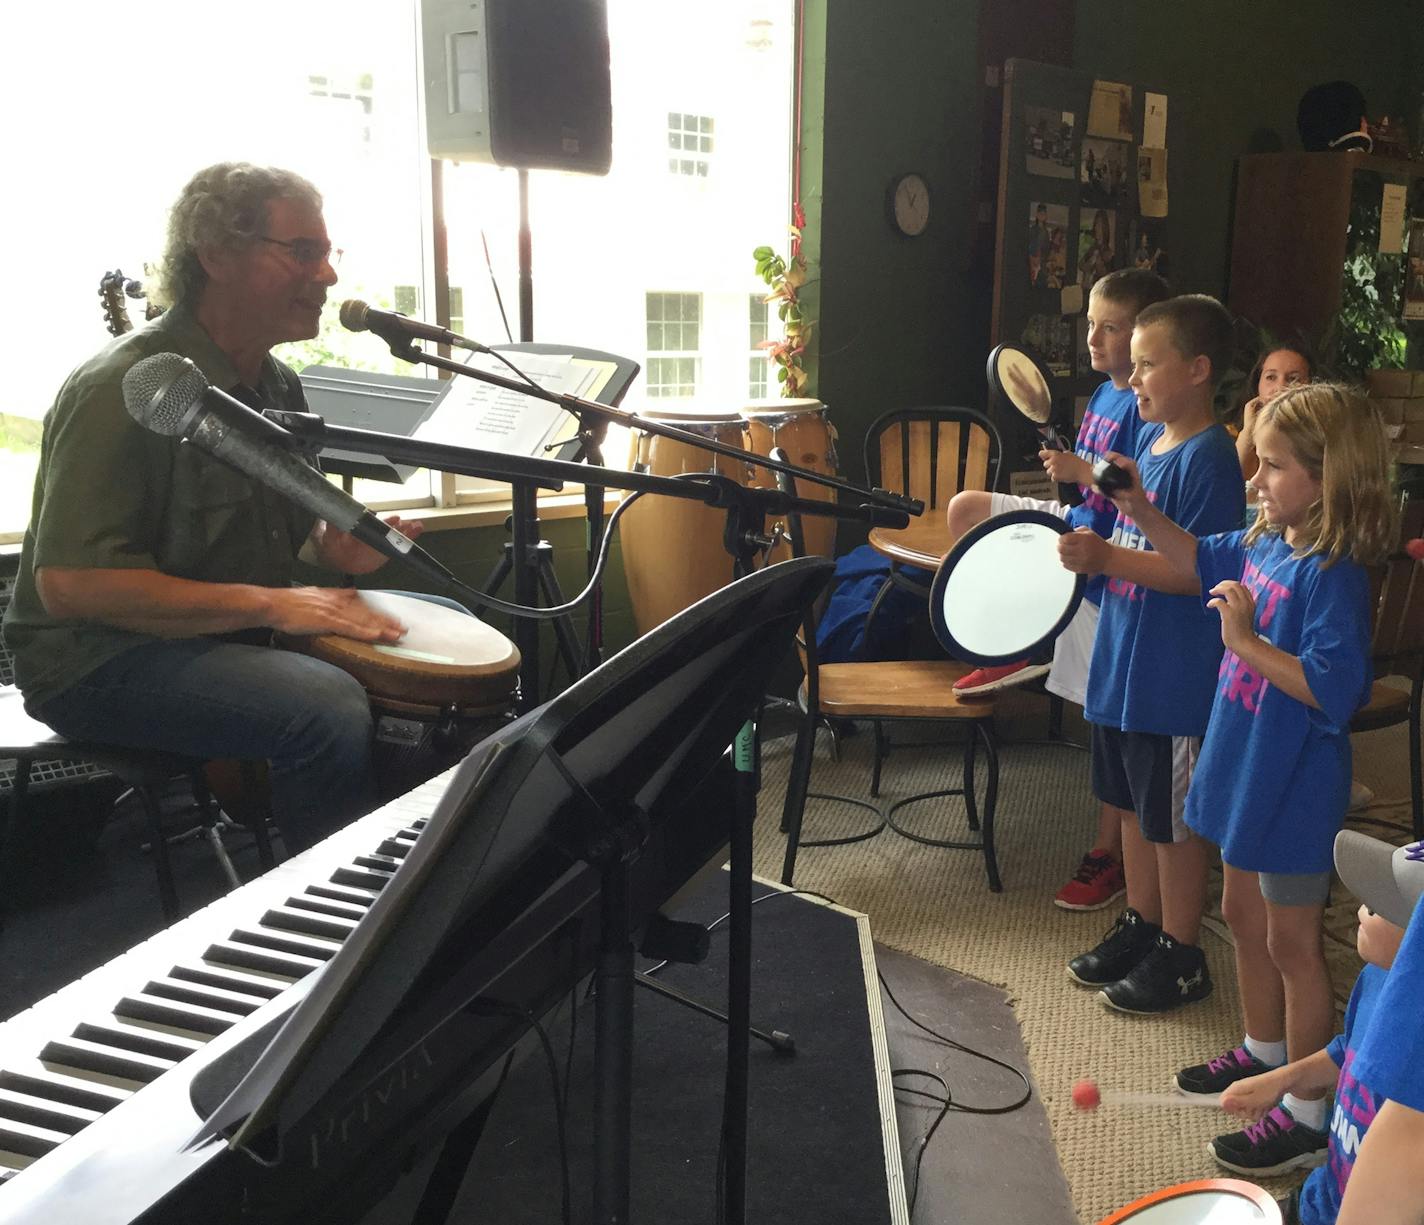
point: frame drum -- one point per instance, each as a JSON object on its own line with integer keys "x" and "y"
{"x": 1001, "y": 593}
{"x": 802, "y": 429}
{"x": 1207, "y": 1201}
{"x": 434, "y": 694}
{"x": 672, "y": 547}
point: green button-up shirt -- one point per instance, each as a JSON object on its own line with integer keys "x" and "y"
{"x": 112, "y": 494}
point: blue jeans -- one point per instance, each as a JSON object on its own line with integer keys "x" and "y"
{"x": 212, "y": 699}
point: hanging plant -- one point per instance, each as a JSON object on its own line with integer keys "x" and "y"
{"x": 786, "y": 277}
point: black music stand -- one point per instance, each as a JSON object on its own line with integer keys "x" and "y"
{"x": 543, "y": 821}
{"x": 530, "y": 557}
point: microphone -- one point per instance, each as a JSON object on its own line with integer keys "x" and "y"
{"x": 399, "y": 330}
{"x": 169, "y": 395}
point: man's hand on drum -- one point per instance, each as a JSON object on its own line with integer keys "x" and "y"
{"x": 331, "y": 610}
{"x": 1066, "y": 468}
{"x": 340, "y": 551}
{"x": 1083, "y": 551}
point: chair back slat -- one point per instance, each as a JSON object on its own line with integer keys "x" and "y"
{"x": 933, "y": 453}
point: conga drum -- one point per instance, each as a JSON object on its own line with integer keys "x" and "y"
{"x": 446, "y": 685}
{"x": 1206, "y": 1201}
{"x": 802, "y": 429}
{"x": 672, "y": 547}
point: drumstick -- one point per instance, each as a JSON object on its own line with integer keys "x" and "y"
{"x": 1087, "y": 1096}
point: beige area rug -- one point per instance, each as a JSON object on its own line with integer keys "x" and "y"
{"x": 935, "y": 904}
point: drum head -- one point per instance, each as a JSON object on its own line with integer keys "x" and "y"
{"x": 1020, "y": 378}
{"x": 1002, "y": 593}
{"x": 1209, "y": 1201}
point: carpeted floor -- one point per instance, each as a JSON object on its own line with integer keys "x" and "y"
{"x": 935, "y": 904}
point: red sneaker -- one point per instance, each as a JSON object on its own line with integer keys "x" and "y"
{"x": 986, "y": 680}
{"x": 1098, "y": 882}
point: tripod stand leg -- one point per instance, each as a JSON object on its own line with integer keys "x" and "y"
{"x": 570, "y": 650}
{"x": 779, "y": 1040}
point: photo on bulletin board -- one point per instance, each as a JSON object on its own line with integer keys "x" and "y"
{"x": 1048, "y": 142}
{"x": 1047, "y": 245}
{"x": 1104, "y": 174}
{"x": 1051, "y": 337}
{"x": 1110, "y": 110}
{"x": 1414, "y": 282}
{"x": 1149, "y": 246}
{"x": 1097, "y": 250}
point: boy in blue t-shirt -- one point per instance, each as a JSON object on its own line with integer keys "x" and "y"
{"x": 1388, "y": 881}
{"x": 1155, "y": 661}
{"x": 1110, "y": 423}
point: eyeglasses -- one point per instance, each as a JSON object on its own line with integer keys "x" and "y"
{"x": 307, "y": 251}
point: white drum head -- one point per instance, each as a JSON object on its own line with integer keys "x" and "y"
{"x": 1210, "y": 1201}
{"x": 1002, "y": 593}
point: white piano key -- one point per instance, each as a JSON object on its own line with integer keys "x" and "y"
{"x": 44, "y": 1112}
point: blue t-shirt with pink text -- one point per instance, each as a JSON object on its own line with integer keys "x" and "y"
{"x": 1273, "y": 780}
{"x": 1110, "y": 423}
{"x": 1155, "y": 655}
{"x": 1355, "y": 1105}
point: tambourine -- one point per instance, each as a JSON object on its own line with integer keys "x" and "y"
{"x": 1019, "y": 378}
{"x": 1207, "y": 1201}
{"x": 1001, "y": 593}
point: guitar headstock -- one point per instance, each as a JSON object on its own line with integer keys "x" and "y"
{"x": 111, "y": 294}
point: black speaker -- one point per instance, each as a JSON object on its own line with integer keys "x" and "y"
{"x": 520, "y": 83}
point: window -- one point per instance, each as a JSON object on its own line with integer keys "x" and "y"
{"x": 674, "y": 329}
{"x": 689, "y": 141}
{"x": 759, "y": 322}
{"x": 338, "y": 100}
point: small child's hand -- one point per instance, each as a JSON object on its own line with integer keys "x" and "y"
{"x": 1066, "y": 468}
{"x": 1252, "y": 1097}
{"x": 1083, "y": 551}
{"x": 1237, "y": 607}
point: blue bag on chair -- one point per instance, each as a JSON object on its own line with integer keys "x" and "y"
{"x": 841, "y": 632}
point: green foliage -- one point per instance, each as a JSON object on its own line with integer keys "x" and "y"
{"x": 784, "y": 277}
{"x": 1367, "y": 334}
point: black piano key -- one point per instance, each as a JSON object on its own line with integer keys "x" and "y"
{"x": 329, "y": 906}
{"x": 363, "y": 878}
{"x": 381, "y": 863}
{"x": 82, "y": 1055}
{"x": 214, "y": 998}
{"x": 243, "y": 956}
{"x": 394, "y": 848}
{"x": 228, "y": 979}
{"x": 285, "y": 942}
{"x": 295, "y": 919}
{"x": 158, "y": 1011}
{"x": 356, "y": 895}
{"x": 44, "y": 1112}
{"x": 171, "y": 1047}
{"x": 81, "y": 1094}
{"x": 28, "y": 1140}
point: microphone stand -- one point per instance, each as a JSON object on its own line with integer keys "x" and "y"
{"x": 593, "y": 419}
{"x": 743, "y": 537}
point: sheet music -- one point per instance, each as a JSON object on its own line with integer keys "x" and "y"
{"x": 471, "y": 413}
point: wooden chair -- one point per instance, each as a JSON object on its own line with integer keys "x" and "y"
{"x": 927, "y": 453}
{"x": 920, "y": 690}
{"x": 1398, "y": 651}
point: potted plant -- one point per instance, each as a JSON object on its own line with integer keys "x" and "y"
{"x": 786, "y": 277}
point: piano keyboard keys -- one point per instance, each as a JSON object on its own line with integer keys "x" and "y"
{"x": 279, "y": 928}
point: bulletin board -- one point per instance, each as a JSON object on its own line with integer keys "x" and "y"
{"x": 1083, "y": 190}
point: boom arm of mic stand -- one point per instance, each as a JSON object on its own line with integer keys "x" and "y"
{"x": 577, "y": 406}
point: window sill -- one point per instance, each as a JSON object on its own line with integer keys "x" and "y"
{"x": 495, "y": 512}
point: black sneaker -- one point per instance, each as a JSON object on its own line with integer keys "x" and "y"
{"x": 1210, "y": 1078}
{"x": 1169, "y": 976}
{"x": 1276, "y": 1144}
{"x": 1128, "y": 941}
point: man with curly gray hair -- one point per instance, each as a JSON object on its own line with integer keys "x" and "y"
{"x": 152, "y": 576}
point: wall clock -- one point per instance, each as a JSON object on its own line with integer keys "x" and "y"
{"x": 909, "y": 203}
